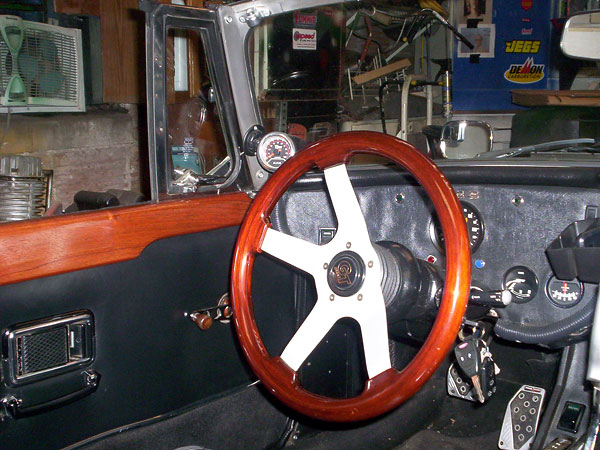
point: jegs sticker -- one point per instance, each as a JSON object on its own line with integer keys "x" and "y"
{"x": 522, "y": 46}
{"x": 525, "y": 73}
{"x": 304, "y": 39}
{"x": 526, "y": 4}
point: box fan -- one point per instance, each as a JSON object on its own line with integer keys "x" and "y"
{"x": 41, "y": 67}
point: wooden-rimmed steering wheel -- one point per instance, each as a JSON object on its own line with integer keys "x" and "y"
{"x": 347, "y": 278}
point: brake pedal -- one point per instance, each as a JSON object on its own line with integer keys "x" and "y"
{"x": 521, "y": 418}
{"x": 459, "y": 385}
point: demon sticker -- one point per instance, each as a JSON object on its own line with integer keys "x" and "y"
{"x": 525, "y": 73}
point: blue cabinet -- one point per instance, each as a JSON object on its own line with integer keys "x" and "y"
{"x": 520, "y": 57}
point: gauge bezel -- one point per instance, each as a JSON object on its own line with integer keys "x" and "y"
{"x": 433, "y": 235}
{"x": 515, "y": 298}
{"x": 562, "y": 305}
{"x": 261, "y": 155}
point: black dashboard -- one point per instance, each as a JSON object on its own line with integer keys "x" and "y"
{"x": 512, "y": 218}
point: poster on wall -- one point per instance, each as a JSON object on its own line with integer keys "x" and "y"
{"x": 480, "y": 10}
{"x": 483, "y": 38}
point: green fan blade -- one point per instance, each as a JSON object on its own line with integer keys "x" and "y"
{"x": 11, "y": 29}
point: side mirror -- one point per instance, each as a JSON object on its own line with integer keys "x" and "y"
{"x": 581, "y": 36}
{"x": 463, "y": 139}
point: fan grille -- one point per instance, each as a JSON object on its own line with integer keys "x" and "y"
{"x": 47, "y": 64}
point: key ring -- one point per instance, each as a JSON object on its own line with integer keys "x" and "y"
{"x": 477, "y": 331}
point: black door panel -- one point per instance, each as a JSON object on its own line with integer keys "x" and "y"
{"x": 151, "y": 358}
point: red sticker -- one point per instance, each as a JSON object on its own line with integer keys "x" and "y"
{"x": 526, "y": 4}
{"x": 303, "y": 39}
{"x": 302, "y": 20}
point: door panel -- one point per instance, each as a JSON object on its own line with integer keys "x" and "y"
{"x": 138, "y": 271}
{"x": 151, "y": 358}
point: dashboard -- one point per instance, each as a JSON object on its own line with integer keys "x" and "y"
{"x": 510, "y": 226}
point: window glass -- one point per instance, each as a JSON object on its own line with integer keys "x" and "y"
{"x": 295, "y": 61}
{"x": 195, "y": 138}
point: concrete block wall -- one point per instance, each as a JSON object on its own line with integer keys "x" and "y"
{"x": 92, "y": 151}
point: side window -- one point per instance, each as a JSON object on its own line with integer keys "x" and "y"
{"x": 191, "y": 140}
{"x": 196, "y": 144}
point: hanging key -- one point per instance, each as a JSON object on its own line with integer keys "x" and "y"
{"x": 488, "y": 372}
{"x": 460, "y": 386}
{"x": 468, "y": 355}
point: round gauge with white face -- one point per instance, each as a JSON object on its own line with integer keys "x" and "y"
{"x": 521, "y": 282}
{"x": 564, "y": 293}
{"x": 274, "y": 149}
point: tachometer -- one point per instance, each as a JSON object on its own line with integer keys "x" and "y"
{"x": 274, "y": 149}
{"x": 475, "y": 228}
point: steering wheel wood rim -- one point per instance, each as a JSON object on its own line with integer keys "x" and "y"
{"x": 391, "y": 387}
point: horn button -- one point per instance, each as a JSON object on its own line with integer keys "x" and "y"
{"x": 346, "y": 273}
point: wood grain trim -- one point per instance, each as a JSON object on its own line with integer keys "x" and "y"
{"x": 53, "y": 245}
{"x": 390, "y": 388}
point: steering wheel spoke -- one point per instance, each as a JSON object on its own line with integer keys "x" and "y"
{"x": 351, "y": 222}
{"x": 296, "y": 252}
{"x": 374, "y": 331}
{"x": 311, "y": 332}
{"x": 367, "y": 308}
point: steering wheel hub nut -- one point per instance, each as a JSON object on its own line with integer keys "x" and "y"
{"x": 346, "y": 274}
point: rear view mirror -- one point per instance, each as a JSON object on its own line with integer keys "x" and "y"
{"x": 581, "y": 36}
{"x": 463, "y": 139}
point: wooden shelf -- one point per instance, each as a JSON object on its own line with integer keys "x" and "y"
{"x": 535, "y": 97}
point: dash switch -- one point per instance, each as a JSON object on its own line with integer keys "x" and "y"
{"x": 571, "y": 417}
{"x": 326, "y": 235}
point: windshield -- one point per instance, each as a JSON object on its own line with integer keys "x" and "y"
{"x": 447, "y": 80}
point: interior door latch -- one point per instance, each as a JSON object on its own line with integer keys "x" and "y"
{"x": 205, "y": 318}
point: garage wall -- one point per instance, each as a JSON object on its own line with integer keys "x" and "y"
{"x": 94, "y": 151}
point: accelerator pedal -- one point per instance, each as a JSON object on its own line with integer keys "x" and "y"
{"x": 521, "y": 418}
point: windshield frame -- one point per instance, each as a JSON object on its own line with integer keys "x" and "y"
{"x": 236, "y": 22}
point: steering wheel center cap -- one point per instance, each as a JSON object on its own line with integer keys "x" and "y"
{"x": 346, "y": 273}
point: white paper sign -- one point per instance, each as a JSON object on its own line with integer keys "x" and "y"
{"x": 304, "y": 39}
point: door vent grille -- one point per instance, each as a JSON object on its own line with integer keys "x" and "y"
{"x": 37, "y": 352}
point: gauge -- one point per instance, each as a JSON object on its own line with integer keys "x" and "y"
{"x": 475, "y": 228}
{"x": 274, "y": 149}
{"x": 564, "y": 293}
{"x": 522, "y": 283}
